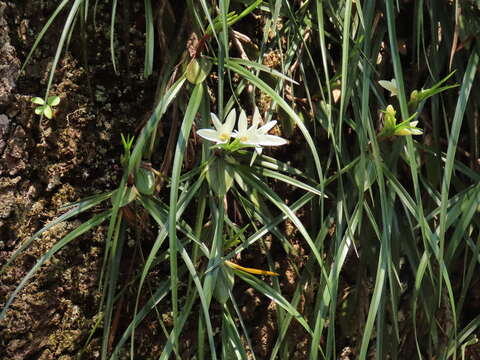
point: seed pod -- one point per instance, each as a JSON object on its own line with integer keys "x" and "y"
{"x": 145, "y": 181}
{"x": 197, "y": 70}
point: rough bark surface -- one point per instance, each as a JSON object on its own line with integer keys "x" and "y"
{"x": 45, "y": 164}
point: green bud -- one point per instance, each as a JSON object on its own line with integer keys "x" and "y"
{"x": 414, "y": 97}
{"x": 145, "y": 181}
{"x": 198, "y": 70}
{"x": 390, "y": 120}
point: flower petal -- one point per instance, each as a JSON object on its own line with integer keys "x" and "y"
{"x": 216, "y": 122}
{"x": 408, "y": 131}
{"x": 210, "y": 135}
{"x": 230, "y": 121}
{"x": 390, "y": 86}
{"x": 247, "y": 137}
{"x": 267, "y": 127}
{"x": 416, "y": 131}
{"x": 242, "y": 122}
{"x": 256, "y": 118}
{"x": 270, "y": 140}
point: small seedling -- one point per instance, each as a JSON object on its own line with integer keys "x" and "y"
{"x": 127, "y": 142}
{"x": 46, "y": 108}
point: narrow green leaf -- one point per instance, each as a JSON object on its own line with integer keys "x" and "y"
{"x": 186, "y": 127}
{"x": 112, "y": 36}
{"x": 220, "y": 176}
{"x": 76, "y": 209}
{"x": 66, "y": 29}
{"x": 43, "y": 31}
{"x": 149, "y": 40}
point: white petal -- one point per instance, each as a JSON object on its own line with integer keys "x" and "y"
{"x": 390, "y": 86}
{"x": 248, "y": 139}
{"x": 210, "y": 135}
{"x": 416, "y": 131}
{"x": 242, "y": 122}
{"x": 245, "y": 137}
{"x": 270, "y": 140}
{"x": 413, "y": 123}
{"x": 230, "y": 121}
{"x": 216, "y": 122}
{"x": 267, "y": 127}
{"x": 256, "y": 118}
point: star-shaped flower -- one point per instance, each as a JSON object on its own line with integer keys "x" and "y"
{"x": 222, "y": 132}
{"x": 255, "y": 136}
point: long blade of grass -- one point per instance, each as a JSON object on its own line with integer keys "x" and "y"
{"x": 152, "y": 123}
{"x": 192, "y": 108}
{"x": 149, "y": 40}
{"x": 467, "y": 83}
{"x": 257, "y": 184}
{"x": 183, "y": 316}
{"x": 111, "y": 284}
{"x": 288, "y": 180}
{"x": 234, "y": 342}
{"x": 160, "y": 293}
{"x": 43, "y": 31}
{"x": 112, "y": 36}
{"x": 66, "y": 28}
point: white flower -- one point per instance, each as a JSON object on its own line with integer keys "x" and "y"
{"x": 255, "y": 136}
{"x": 244, "y": 134}
{"x": 390, "y": 86}
{"x": 222, "y": 132}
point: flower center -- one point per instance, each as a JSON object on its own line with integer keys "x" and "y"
{"x": 243, "y": 139}
{"x": 224, "y": 137}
